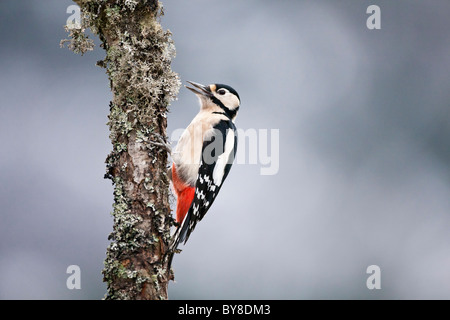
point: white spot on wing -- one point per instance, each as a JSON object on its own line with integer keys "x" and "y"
{"x": 222, "y": 160}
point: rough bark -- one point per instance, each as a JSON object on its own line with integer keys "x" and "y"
{"x": 138, "y": 57}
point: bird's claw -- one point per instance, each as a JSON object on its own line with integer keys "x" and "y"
{"x": 161, "y": 142}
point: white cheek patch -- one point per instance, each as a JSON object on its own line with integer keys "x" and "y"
{"x": 222, "y": 160}
{"x": 229, "y": 100}
{"x": 232, "y": 102}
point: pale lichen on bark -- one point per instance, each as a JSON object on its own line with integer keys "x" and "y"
{"x": 138, "y": 58}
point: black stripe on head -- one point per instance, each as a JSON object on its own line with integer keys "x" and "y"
{"x": 230, "y": 113}
{"x": 227, "y": 112}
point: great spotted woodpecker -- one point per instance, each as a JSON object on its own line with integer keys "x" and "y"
{"x": 203, "y": 156}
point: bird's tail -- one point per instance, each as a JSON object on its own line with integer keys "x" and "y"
{"x": 180, "y": 234}
{"x": 178, "y": 237}
{"x": 183, "y": 218}
{"x": 185, "y": 195}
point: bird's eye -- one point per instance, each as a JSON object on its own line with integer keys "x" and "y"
{"x": 221, "y": 91}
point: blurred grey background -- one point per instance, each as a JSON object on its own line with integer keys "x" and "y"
{"x": 364, "y": 152}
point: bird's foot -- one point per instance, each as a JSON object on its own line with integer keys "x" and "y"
{"x": 161, "y": 142}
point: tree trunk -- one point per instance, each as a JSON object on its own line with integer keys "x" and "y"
{"x": 138, "y": 57}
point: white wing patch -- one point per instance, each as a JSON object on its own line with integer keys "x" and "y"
{"x": 222, "y": 160}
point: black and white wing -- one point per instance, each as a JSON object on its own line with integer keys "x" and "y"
{"x": 218, "y": 155}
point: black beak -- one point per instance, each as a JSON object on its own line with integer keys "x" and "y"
{"x": 199, "y": 89}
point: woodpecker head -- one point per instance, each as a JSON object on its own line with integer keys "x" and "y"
{"x": 220, "y": 95}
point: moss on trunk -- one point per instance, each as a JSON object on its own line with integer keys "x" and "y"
{"x": 138, "y": 58}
